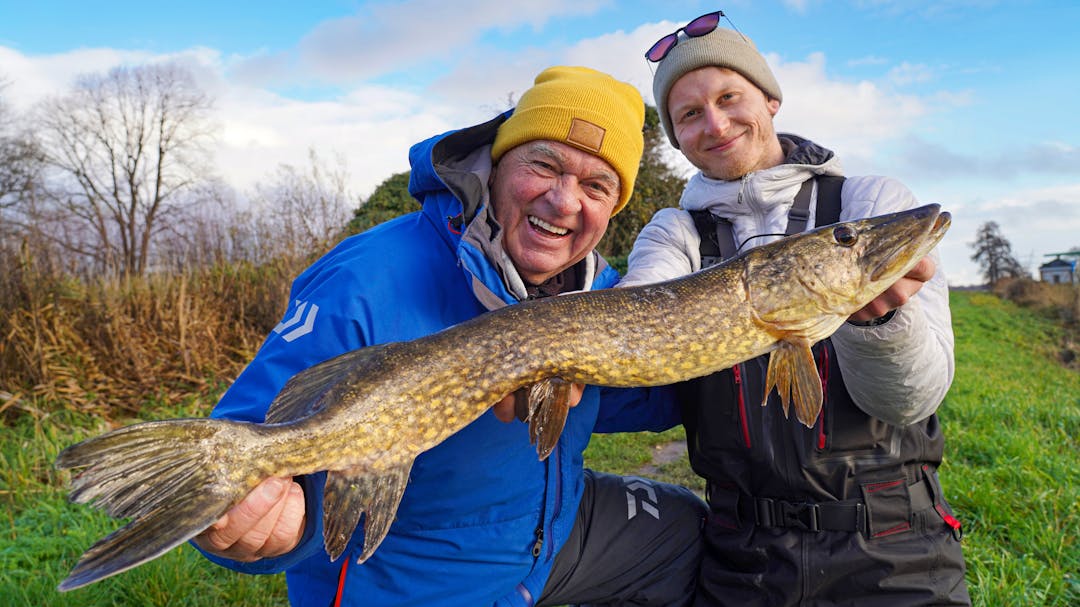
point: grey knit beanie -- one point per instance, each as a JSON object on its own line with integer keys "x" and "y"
{"x": 720, "y": 48}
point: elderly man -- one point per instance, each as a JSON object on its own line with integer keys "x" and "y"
{"x": 849, "y": 511}
{"x": 512, "y": 210}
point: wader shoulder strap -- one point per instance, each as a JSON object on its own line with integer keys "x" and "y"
{"x": 828, "y": 199}
{"x": 718, "y": 238}
{"x": 800, "y": 209}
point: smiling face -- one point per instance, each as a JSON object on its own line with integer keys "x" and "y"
{"x": 553, "y": 202}
{"x": 723, "y": 123}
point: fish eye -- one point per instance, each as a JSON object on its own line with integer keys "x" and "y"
{"x": 845, "y": 235}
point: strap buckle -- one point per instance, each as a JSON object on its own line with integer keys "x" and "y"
{"x": 779, "y": 513}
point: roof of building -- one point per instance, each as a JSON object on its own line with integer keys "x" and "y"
{"x": 1059, "y": 264}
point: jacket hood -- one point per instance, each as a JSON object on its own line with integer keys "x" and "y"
{"x": 458, "y": 161}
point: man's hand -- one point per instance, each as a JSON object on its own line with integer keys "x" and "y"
{"x": 505, "y": 411}
{"x": 899, "y": 293}
{"x": 268, "y": 522}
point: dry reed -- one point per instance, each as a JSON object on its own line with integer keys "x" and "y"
{"x": 108, "y": 346}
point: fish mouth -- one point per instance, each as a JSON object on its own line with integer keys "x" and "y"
{"x": 943, "y": 222}
{"x": 901, "y": 239}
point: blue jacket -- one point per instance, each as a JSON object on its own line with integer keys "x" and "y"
{"x": 477, "y": 504}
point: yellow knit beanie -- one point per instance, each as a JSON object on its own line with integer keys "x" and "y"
{"x": 586, "y": 109}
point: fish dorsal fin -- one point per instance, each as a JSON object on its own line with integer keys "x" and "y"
{"x": 549, "y": 404}
{"x": 301, "y": 395}
{"x": 793, "y": 372}
{"x": 350, "y": 493}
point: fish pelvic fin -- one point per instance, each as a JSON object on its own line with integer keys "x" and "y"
{"x": 164, "y": 475}
{"x": 549, "y": 404}
{"x": 355, "y": 491}
{"x": 794, "y": 374}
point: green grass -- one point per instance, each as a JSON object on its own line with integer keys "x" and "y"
{"x": 1011, "y": 422}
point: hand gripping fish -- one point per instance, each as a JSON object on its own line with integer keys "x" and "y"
{"x": 365, "y": 415}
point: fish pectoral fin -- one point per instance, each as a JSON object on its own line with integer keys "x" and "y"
{"x": 549, "y": 404}
{"x": 355, "y": 491}
{"x": 794, "y": 374}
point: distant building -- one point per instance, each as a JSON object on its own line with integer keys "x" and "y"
{"x": 1059, "y": 271}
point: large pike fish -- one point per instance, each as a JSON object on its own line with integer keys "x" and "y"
{"x": 365, "y": 415}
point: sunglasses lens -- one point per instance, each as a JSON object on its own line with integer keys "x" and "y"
{"x": 702, "y": 25}
{"x": 661, "y": 48}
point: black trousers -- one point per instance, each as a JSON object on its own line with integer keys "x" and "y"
{"x": 752, "y": 566}
{"x": 635, "y": 542}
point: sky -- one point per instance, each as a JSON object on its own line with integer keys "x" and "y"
{"x": 971, "y": 103}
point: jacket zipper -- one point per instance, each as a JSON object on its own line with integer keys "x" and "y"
{"x": 557, "y": 506}
{"x": 539, "y": 542}
{"x": 742, "y": 184}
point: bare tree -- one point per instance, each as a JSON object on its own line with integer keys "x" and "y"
{"x": 123, "y": 149}
{"x": 20, "y": 182}
{"x": 304, "y": 211}
{"x": 994, "y": 253}
{"x": 203, "y": 231}
{"x": 20, "y": 157}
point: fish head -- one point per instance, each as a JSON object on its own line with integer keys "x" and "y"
{"x": 809, "y": 283}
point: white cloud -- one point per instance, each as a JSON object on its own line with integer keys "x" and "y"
{"x": 1035, "y": 221}
{"x": 388, "y": 37}
{"x": 33, "y": 78}
{"x": 484, "y": 79}
{"x": 870, "y": 60}
{"x": 911, "y": 73}
{"x": 1050, "y": 158}
{"x": 371, "y": 129}
{"x": 851, "y": 118}
{"x": 799, "y": 6}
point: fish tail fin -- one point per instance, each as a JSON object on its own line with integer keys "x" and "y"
{"x": 166, "y": 476}
{"x": 549, "y": 404}
{"x": 794, "y": 374}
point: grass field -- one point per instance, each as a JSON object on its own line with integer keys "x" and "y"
{"x": 1011, "y": 420}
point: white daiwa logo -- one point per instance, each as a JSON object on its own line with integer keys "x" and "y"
{"x": 304, "y": 316}
{"x": 649, "y": 503}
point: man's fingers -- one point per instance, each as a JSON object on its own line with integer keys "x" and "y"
{"x": 267, "y": 499}
{"x": 899, "y": 292}
{"x": 251, "y": 544}
{"x": 290, "y": 524}
{"x": 576, "y": 390}
{"x": 504, "y": 409}
{"x": 923, "y": 271}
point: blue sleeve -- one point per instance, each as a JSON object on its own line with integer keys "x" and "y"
{"x": 637, "y": 409}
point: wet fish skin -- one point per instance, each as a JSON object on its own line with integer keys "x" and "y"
{"x": 364, "y": 416}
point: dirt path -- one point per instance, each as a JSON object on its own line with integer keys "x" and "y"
{"x": 664, "y": 454}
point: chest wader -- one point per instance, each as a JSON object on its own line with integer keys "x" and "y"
{"x": 828, "y": 512}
